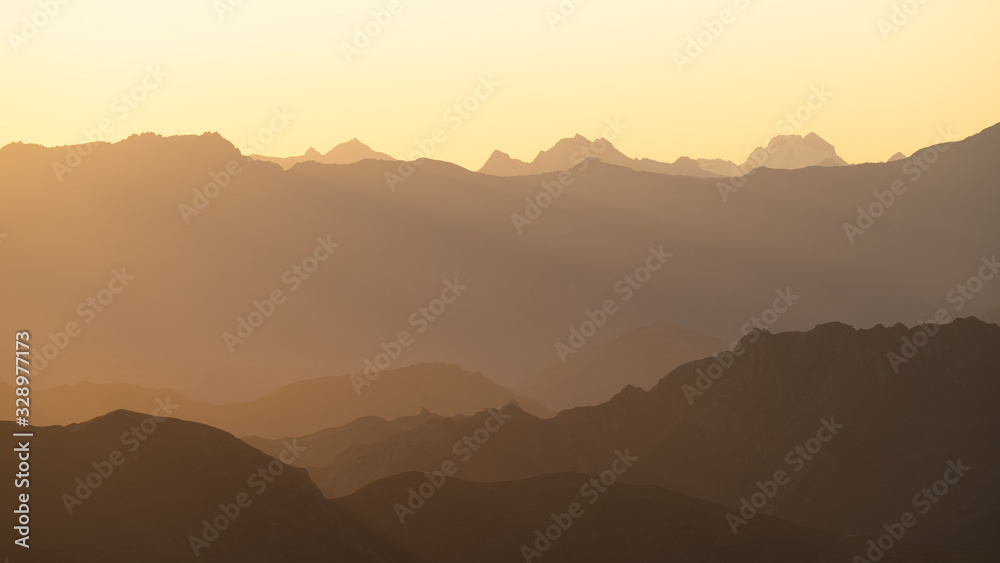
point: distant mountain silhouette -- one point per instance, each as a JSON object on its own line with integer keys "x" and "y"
{"x": 783, "y": 152}
{"x": 295, "y": 409}
{"x": 640, "y": 358}
{"x": 899, "y": 431}
{"x": 345, "y": 153}
{"x": 792, "y": 152}
{"x": 570, "y": 152}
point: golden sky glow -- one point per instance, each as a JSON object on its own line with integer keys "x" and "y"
{"x": 892, "y": 89}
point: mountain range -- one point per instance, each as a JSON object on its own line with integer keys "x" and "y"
{"x": 193, "y": 493}
{"x": 568, "y": 153}
{"x": 345, "y": 153}
{"x": 297, "y": 408}
{"x": 882, "y": 434}
{"x": 529, "y": 284}
{"x": 787, "y": 152}
{"x": 854, "y": 437}
{"x": 784, "y": 152}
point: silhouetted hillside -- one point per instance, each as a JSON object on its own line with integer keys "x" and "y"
{"x": 125, "y": 488}
{"x": 640, "y": 358}
{"x": 495, "y": 522}
{"x": 885, "y": 435}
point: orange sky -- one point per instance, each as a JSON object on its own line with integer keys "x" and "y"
{"x": 228, "y": 68}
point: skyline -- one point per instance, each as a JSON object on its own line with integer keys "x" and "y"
{"x": 527, "y": 78}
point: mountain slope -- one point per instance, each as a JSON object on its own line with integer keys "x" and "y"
{"x": 625, "y": 523}
{"x": 185, "y": 480}
{"x": 893, "y": 433}
{"x": 505, "y": 443}
{"x": 640, "y": 358}
{"x": 157, "y": 492}
{"x": 501, "y": 164}
{"x": 992, "y": 316}
{"x": 322, "y": 448}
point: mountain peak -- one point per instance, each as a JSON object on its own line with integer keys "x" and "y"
{"x": 353, "y": 144}
{"x": 501, "y": 164}
{"x": 790, "y": 152}
{"x": 345, "y": 153}
{"x": 572, "y": 151}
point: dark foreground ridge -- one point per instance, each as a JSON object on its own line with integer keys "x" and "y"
{"x": 855, "y": 439}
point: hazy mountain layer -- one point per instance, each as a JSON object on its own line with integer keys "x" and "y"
{"x": 173, "y": 491}
{"x": 640, "y": 358}
{"x": 345, "y": 153}
{"x": 855, "y": 439}
{"x": 295, "y": 409}
{"x": 724, "y": 253}
{"x": 568, "y": 153}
